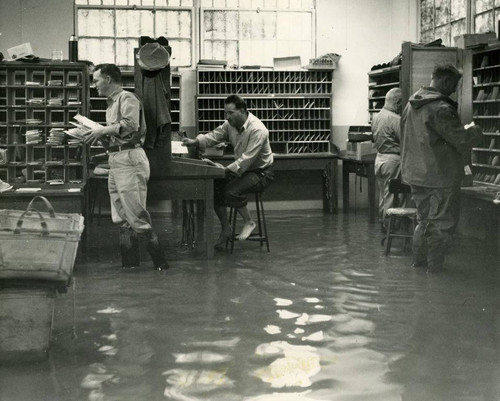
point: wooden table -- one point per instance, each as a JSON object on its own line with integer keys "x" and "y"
{"x": 324, "y": 163}
{"x": 480, "y": 199}
{"x": 362, "y": 168}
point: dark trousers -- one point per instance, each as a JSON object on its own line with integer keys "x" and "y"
{"x": 438, "y": 211}
{"x": 231, "y": 191}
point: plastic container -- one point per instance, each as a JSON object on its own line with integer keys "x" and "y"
{"x": 26, "y": 315}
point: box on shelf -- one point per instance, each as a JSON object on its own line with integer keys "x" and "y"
{"x": 473, "y": 39}
{"x": 360, "y": 150}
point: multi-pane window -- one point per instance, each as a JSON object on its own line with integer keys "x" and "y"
{"x": 446, "y": 19}
{"x": 109, "y": 30}
{"x": 486, "y": 13}
{"x": 253, "y": 32}
{"x": 442, "y": 19}
{"x": 243, "y": 32}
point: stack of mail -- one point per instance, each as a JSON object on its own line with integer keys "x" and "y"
{"x": 56, "y": 136}
{"x": 33, "y": 136}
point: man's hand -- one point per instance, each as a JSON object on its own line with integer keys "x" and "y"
{"x": 93, "y": 136}
{"x": 190, "y": 142}
{"x": 229, "y": 173}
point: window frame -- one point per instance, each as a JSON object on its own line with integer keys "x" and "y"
{"x": 152, "y": 8}
{"x": 201, "y": 16}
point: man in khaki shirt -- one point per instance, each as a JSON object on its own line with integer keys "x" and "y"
{"x": 129, "y": 171}
{"x": 251, "y": 170}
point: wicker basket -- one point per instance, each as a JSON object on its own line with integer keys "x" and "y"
{"x": 36, "y": 245}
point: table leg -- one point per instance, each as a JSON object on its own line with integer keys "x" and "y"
{"x": 209, "y": 218}
{"x": 345, "y": 186}
{"x": 372, "y": 192}
{"x": 329, "y": 187}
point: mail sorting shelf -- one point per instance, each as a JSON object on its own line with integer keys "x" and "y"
{"x": 37, "y": 103}
{"x": 486, "y": 113}
{"x": 379, "y": 83}
{"x": 295, "y": 106}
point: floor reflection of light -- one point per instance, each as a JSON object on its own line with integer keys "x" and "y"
{"x": 294, "y": 369}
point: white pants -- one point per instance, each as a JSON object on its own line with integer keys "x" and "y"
{"x": 387, "y": 167}
{"x": 128, "y": 187}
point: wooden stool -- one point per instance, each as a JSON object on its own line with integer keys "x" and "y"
{"x": 395, "y": 213}
{"x": 261, "y": 235}
{"x": 399, "y": 213}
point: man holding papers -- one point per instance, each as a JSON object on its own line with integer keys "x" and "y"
{"x": 129, "y": 171}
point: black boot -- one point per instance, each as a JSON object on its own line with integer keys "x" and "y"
{"x": 155, "y": 250}
{"x": 129, "y": 247}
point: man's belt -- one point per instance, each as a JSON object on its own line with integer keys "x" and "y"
{"x": 119, "y": 148}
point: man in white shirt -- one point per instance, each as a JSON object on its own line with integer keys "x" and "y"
{"x": 251, "y": 170}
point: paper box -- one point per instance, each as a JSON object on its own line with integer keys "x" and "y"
{"x": 360, "y": 150}
{"x": 473, "y": 39}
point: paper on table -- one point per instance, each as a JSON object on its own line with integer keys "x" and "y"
{"x": 178, "y": 149}
{"x": 28, "y": 189}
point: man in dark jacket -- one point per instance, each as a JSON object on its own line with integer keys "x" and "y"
{"x": 434, "y": 150}
{"x": 386, "y": 135}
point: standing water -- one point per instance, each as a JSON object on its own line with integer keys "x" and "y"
{"x": 323, "y": 316}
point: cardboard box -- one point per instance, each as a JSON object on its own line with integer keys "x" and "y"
{"x": 360, "y": 150}
{"x": 473, "y": 39}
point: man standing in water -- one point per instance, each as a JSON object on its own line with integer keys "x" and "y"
{"x": 434, "y": 150}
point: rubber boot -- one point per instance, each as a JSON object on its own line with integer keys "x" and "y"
{"x": 129, "y": 248}
{"x": 155, "y": 250}
{"x": 419, "y": 246}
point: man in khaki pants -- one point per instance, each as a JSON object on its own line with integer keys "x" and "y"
{"x": 129, "y": 171}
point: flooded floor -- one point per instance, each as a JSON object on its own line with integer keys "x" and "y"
{"x": 323, "y": 316}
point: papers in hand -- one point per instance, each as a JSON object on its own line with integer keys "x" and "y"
{"x": 83, "y": 126}
{"x": 178, "y": 149}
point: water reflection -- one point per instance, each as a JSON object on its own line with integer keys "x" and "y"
{"x": 315, "y": 320}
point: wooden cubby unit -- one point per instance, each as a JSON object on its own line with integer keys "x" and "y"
{"x": 294, "y": 105}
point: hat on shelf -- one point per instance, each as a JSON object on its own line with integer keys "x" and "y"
{"x": 153, "y": 57}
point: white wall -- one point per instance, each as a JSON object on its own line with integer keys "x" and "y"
{"x": 365, "y": 33}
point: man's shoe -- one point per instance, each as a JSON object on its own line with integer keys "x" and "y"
{"x": 4, "y": 187}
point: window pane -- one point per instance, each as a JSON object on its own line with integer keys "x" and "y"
{"x": 426, "y": 14}
{"x": 181, "y": 53}
{"x": 442, "y": 11}
{"x": 443, "y": 32}
{"x": 97, "y": 50}
{"x": 458, "y": 28}
{"x": 187, "y": 3}
{"x": 173, "y": 24}
{"x": 497, "y": 3}
{"x": 95, "y": 23}
{"x": 257, "y": 26}
{"x": 483, "y": 22}
{"x": 125, "y": 51}
{"x": 251, "y": 52}
{"x": 294, "y": 26}
{"x": 270, "y": 3}
{"x": 458, "y": 9}
{"x": 174, "y": 3}
{"x": 257, "y": 3}
{"x": 427, "y": 36}
{"x": 483, "y": 5}
{"x": 221, "y": 24}
{"x": 134, "y": 23}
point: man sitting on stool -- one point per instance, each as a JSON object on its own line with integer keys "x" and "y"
{"x": 250, "y": 172}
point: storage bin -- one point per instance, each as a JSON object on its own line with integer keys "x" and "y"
{"x": 26, "y": 316}
{"x": 36, "y": 245}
